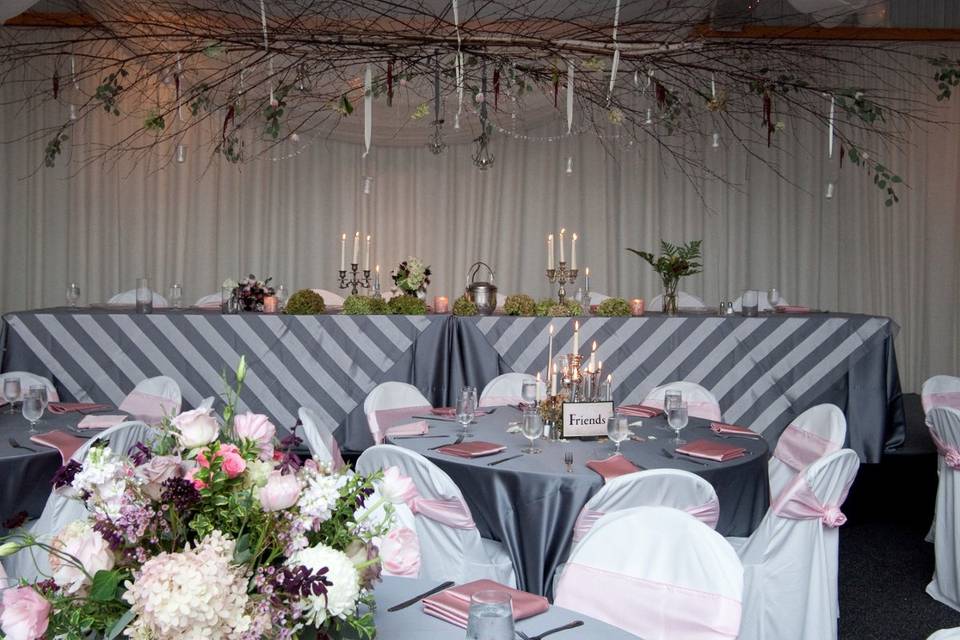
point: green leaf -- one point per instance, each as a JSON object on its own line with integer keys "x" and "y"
{"x": 120, "y": 624}
{"x": 105, "y": 585}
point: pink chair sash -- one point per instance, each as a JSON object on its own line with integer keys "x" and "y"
{"x": 951, "y": 455}
{"x": 337, "y": 457}
{"x": 708, "y": 513}
{"x": 451, "y": 512}
{"x": 148, "y": 407}
{"x": 798, "y": 449}
{"x": 382, "y": 419}
{"x": 648, "y": 608}
{"x": 803, "y": 504}
{"x": 942, "y": 399}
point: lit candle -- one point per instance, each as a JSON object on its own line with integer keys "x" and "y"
{"x": 356, "y": 248}
{"x": 550, "y": 251}
{"x": 376, "y": 278}
{"x": 366, "y": 262}
{"x": 636, "y": 307}
{"x": 562, "y": 258}
{"x": 610, "y": 385}
{"x": 554, "y": 379}
{"x": 441, "y": 304}
{"x": 573, "y": 252}
{"x": 576, "y": 336}
{"x": 586, "y": 282}
{"x": 593, "y": 356}
{"x": 343, "y": 252}
{"x": 550, "y": 350}
{"x": 599, "y": 366}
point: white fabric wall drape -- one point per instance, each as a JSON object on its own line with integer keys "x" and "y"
{"x": 198, "y": 223}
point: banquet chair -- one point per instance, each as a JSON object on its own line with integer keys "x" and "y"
{"x": 790, "y": 561}
{"x": 819, "y": 430}
{"x": 60, "y": 510}
{"x": 211, "y": 300}
{"x": 450, "y": 544}
{"x": 944, "y": 424}
{"x": 658, "y": 573}
{"x": 330, "y": 298}
{"x": 323, "y": 446}
{"x": 684, "y": 301}
{"x": 390, "y": 395}
{"x": 946, "y": 634}
{"x": 700, "y": 402}
{"x": 153, "y": 399}
{"x": 130, "y": 297}
{"x": 940, "y": 391}
{"x": 763, "y": 302}
{"x": 507, "y": 389}
{"x": 597, "y": 298}
{"x": 28, "y": 380}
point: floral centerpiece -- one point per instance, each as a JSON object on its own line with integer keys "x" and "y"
{"x": 251, "y": 292}
{"x": 676, "y": 262}
{"x": 412, "y": 277}
{"x": 212, "y": 530}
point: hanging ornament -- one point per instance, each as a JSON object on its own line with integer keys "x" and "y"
{"x": 830, "y": 127}
{"x": 73, "y": 72}
{"x": 180, "y": 154}
{"x": 73, "y": 112}
{"x": 56, "y": 84}
{"x": 556, "y": 86}
{"x": 649, "y": 118}
{"x": 367, "y": 185}
{"x": 616, "y": 53}
{"x": 828, "y": 194}
{"x": 482, "y": 158}
{"x": 715, "y": 140}
{"x": 390, "y": 83}
{"x": 569, "y": 97}
{"x": 496, "y": 89}
{"x": 661, "y": 93}
{"x": 459, "y": 72}
{"x": 569, "y": 164}
{"x": 436, "y": 143}
{"x": 367, "y": 109}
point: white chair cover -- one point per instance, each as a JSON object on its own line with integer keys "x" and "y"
{"x": 28, "y": 380}
{"x": 390, "y": 395}
{"x": 507, "y": 389}
{"x": 684, "y": 301}
{"x": 451, "y": 549}
{"x": 152, "y": 399}
{"x": 946, "y": 634}
{"x": 658, "y": 573}
{"x": 210, "y": 300}
{"x": 130, "y": 297}
{"x": 60, "y": 510}
{"x": 944, "y": 424}
{"x": 330, "y": 298}
{"x": 206, "y": 403}
{"x": 700, "y": 402}
{"x": 791, "y": 559}
{"x": 763, "y": 302}
{"x": 323, "y": 446}
{"x": 597, "y": 298}
{"x": 819, "y": 430}
{"x": 940, "y": 391}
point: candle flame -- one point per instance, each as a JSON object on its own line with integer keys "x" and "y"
{"x": 588, "y": 268}
{"x": 368, "y": 237}
{"x": 357, "y": 235}
{"x": 574, "y": 236}
{"x": 562, "y": 231}
{"x": 549, "y": 236}
{"x": 551, "y": 329}
{"x": 343, "y": 237}
{"x": 594, "y": 347}
{"x": 576, "y": 325}
{"x": 610, "y": 378}
{"x": 378, "y": 268}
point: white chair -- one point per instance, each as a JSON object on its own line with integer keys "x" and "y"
{"x": 700, "y": 402}
{"x": 658, "y": 573}
{"x": 323, "y": 446}
{"x": 763, "y": 302}
{"x": 946, "y": 634}
{"x": 330, "y": 298}
{"x": 597, "y": 298}
{"x": 684, "y": 301}
{"x": 206, "y": 403}
{"x": 210, "y": 300}
{"x": 819, "y": 430}
{"x": 940, "y": 391}
{"x": 60, "y": 510}
{"x": 153, "y": 399}
{"x": 390, "y": 395}
{"x": 507, "y": 389}
{"x": 790, "y": 561}
{"x": 451, "y": 547}
{"x": 130, "y": 298}
{"x": 944, "y": 424}
{"x": 28, "y": 380}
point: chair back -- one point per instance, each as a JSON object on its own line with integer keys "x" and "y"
{"x": 323, "y": 446}
{"x": 946, "y": 634}
{"x": 597, "y": 298}
{"x": 940, "y": 391}
{"x": 700, "y": 402}
{"x": 330, "y": 298}
{"x": 684, "y": 301}
{"x": 675, "y": 578}
{"x": 763, "y": 302}
{"x": 651, "y": 488}
{"x": 390, "y": 395}
{"x": 28, "y": 380}
{"x": 507, "y": 389}
{"x": 130, "y": 297}
{"x": 152, "y": 399}
{"x": 819, "y": 430}
{"x": 944, "y": 425}
{"x": 210, "y": 300}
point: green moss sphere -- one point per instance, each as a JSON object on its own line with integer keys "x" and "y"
{"x": 613, "y": 307}
{"x": 358, "y": 305}
{"x": 463, "y": 306}
{"x": 407, "y": 306}
{"x": 305, "y": 302}
{"x": 519, "y": 304}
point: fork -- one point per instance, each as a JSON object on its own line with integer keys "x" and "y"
{"x": 457, "y": 441}
{"x": 16, "y": 445}
{"x": 540, "y": 636}
{"x": 568, "y": 460}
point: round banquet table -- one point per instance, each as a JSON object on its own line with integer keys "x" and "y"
{"x": 530, "y": 503}
{"x": 411, "y": 623}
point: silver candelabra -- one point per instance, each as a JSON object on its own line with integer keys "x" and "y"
{"x": 355, "y": 281}
{"x": 562, "y": 276}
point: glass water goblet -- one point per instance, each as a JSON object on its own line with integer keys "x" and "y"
{"x": 528, "y": 392}
{"x": 532, "y": 427}
{"x": 73, "y": 294}
{"x": 176, "y": 295}
{"x": 490, "y": 616}
{"x": 677, "y": 419}
{"x": 672, "y": 398}
{"x": 41, "y": 391}
{"x": 466, "y": 409}
{"x": 617, "y": 430}
{"x": 32, "y": 408}
{"x": 773, "y": 297}
{"x": 281, "y": 295}
{"x": 11, "y": 391}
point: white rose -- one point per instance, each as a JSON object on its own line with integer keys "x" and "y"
{"x": 196, "y": 428}
{"x": 156, "y": 471}
{"x": 78, "y": 539}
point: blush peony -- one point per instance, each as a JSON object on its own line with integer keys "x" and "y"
{"x": 196, "y": 428}
{"x": 281, "y": 492}
{"x": 24, "y": 614}
{"x": 79, "y": 540}
{"x": 256, "y": 427}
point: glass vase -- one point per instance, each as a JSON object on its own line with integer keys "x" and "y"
{"x": 670, "y": 296}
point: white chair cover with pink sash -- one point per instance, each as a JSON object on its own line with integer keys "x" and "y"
{"x": 390, "y": 395}
{"x": 211, "y": 301}
{"x": 59, "y": 511}
{"x": 507, "y": 389}
{"x": 816, "y": 432}
{"x": 790, "y": 561}
{"x": 700, "y": 402}
{"x": 323, "y": 446}
{"x": 944, "y": 424}
{"x": 152, "y": 399}
{"x": 940, "y": 391}
{"x": 28, "y": 380}
{"x": 451, "y": 547}
{"x": 329, "y": 297}
{"x": 658, "y": 573}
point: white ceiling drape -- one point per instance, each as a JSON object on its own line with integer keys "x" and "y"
{"x": 12, "y": 8}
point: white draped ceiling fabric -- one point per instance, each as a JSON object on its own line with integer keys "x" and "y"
{"x": 105, "y": 224}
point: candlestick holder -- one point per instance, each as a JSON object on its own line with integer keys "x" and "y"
{"x": 562, "y": 276}
{"x": 355, "y": 280}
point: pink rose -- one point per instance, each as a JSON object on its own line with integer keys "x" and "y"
{"x": 78, "y": 539}
{"x": 281, "y": 492}
{"x": 400, "y": 553}
{"x": 233, "y": 464}
{"x": 196, "y": 428}
{"x": 158, "y": 470}
{"x": 256, "y": 427}
{"x": 24, "y": 614}
{"x": 396, "y": 487}
{"x": 191, "y": 476}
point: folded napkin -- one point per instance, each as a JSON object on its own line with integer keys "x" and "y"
{"x": 639, "y": 410}
{"x": 417, "y": 428}
{"x": 791, "y": 308}
{"x": 81, "y": 407}
{"x": 65, "y": 443}
{"x": 733, "y": 430}
{"x": 613, "y": 467}
{"x": 475, "y": 449}
{"x": 101, "y": 422}
{"x": 711, "y": 450}
{"x": 451, "y": 412}
{"x": 453, "y": 604}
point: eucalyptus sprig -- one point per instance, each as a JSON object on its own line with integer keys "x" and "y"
{"x": 883, "y": 178}
{"x": 108, "y": 91}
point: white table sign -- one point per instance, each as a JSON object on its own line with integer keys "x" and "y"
{"x": 585, "y": 419}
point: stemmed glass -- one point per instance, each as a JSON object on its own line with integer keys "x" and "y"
{"x": 281, "y": 294}
{"x": 528, "y": 392}
{"x": 532, "y": 427}
{"x": 73, "y": 294}
{"x": 176, "y": 295}
{"x": 466, "y": 410}
{"x": 773, "y": 297}
{"x": 677, "y": 419}
{"x": 617, "y": 430}
{"x": 11, "y": 391}
{"x": 672, "y": 398}
{"x": 41, "y": 392}
{"x": 490, "y": 616}
{"x": 32, "y": 408}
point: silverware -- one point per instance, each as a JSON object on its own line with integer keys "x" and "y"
{"x": 457, "y": 441}
{"x": 550, "y": 632}
{"x": 16, "y": 445}
{"x": 439, "y": 419}
{"x": 417, "y": 437}
{"x": 686, "y": 458}
{"x": 568, "y": 460}
{"x": 416, "y": 599}
{"x": 496, "y": 462}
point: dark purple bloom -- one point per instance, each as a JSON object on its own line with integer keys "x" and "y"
{"x": 180, "y": 493}
{"x": 362, "y": 496}
{"x": 14, "y": 521}
{"x": 110, "y": 533}
{"x": 301, "y": 581}
{"x": 65, "y": 474}
{"x": 140, "y": 454}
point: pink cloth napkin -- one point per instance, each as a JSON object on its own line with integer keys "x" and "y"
{"x": 417, "y": 428}
{"x": 711, "y": 450}
{"x": 451, "y": 412}
{"x": 613, "y": 467}
{"x": 453, "y": 604}
{"x": 733, "y": 430}
{"x": 83, "y": 407}
{"x": 475, "y": 449}
{"x": 791, "y": 308}
{"x": 65, "y": 443}
{"x": 640, "y": 410}
{"x": 101, "y": 422}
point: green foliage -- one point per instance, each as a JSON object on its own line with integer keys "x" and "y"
{"x": 613, "y": 307}
{"x": 105, "y": 584}
{"x": 676, "y": 262}
{"x": 550, "y": 307}
{"x": 407, "y": 306}
{"x": 947, "y": 76}
{"x": 464, "y": 306}
{"x": 109, "y": 89}
{"x": 520, "y": 304}
{"x": 359, "y": 305}
{"x": 344, "y": 107}
{"x": 154, "y": 122}
{"x": 783, "y": 83}
{"x": 231, "y": 148}
{"x": 305, "y": 302}
{"x": 273, "y": 113}
{"x": 199, "y": 99}
{"x": 857, "y": 104}
{"x": 883, "y": 178}
{"x": 54, "y": 148}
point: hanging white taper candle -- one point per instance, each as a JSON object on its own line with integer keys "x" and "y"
{"x": 830, "y": 127}
{"x": 569, "y": 97}
{"x": 616, "y": 53}
{"x": 367, "y": 109}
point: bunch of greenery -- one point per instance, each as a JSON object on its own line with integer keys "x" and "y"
{"x": 549, "y": 307}
{"x": 358, "y": 305}
{"x": 464, "y": 306}
{"x": 613, "y": 307}
{"x": 305, "y": 302}
{"x": 520, "y": 304}
{"x": 407, "y": 306}
{"x": 676, "y": 262}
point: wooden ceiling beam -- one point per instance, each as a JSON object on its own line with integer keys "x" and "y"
{"x": 50, "y": 19}
{"x": 776, "y": 32}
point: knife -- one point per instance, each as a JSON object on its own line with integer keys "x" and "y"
{"x": 496, "y": 462}
{"x": 416, "y": 599}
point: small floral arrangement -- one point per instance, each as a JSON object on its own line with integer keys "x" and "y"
{"x": 214, "y": 530}
{"x": 675, "y": 262}
{"x": 551, "y": 409}
{"x": 549, "y": 307}
{"x": 411, "y": 274}
{"x": 407, "y": 306}
{"x": 305, "y": 302}
{"x": 251, "y": 292}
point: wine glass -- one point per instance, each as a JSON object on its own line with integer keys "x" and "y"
{"x": 176, "y": 295}
{"x": 617, "y": 430}
{"x": 41, "y": 392}
{"x": 73, "y": 294}
{"x": 532, "y": 427}
{"x": 490, "y": 616}
{"x": 528, "y": 392}
{"x": 677, "y": 419}
{"x": 465, "y": 410}
{"x": 11, "y": 391}
{"x": 32, "y": 408}
{"x": 773, "y": 297}
{"x": 671, "y": 398}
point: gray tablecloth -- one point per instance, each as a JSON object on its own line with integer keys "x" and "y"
{"x": 530, "y": 503}
{"x": 412, "y": 624}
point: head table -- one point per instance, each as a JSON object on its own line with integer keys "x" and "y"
{"x": 530, "y": 503}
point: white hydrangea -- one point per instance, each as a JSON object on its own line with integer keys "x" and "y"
{"x": 340, "y": 601}
{"x": 319, "y": 496}
{"x": 105, "y": 477}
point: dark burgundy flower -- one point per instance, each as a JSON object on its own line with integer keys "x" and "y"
{"x": 301, "y": 581}
{"x": 15, "y": 521}
{"x": 180, "y": 493}
{"x": 140, "y": 454}
{"x": 65, "y": 474}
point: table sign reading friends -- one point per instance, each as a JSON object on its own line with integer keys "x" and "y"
{"x": 585, "y": 419}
